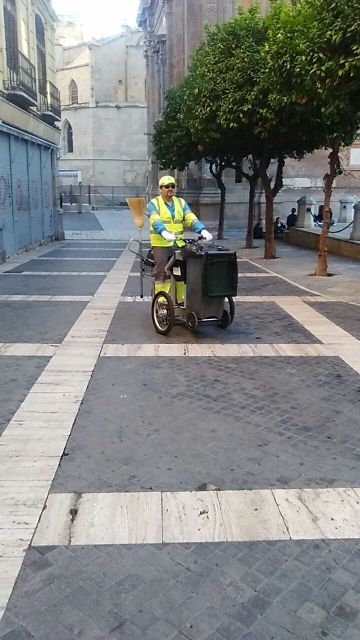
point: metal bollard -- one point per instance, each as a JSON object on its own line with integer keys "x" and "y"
{"x": 59, "y": 225}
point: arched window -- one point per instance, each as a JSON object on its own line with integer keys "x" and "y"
{"x": 68, "y": 138}
{"x": 41, "y": 55}
{"x": 73, "y": 93}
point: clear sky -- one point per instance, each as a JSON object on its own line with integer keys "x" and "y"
{"x": 99, "y": 19}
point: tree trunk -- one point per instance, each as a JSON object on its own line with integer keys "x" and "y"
{"x": 251, "y": 215}
{"x": 321, "y": 265}
{"x": 269, "y": 248}
{"x": 220, "y": 233}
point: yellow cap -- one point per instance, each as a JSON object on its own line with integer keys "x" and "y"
{"x": 166, "y": 180}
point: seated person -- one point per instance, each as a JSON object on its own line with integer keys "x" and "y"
{"x": 291, "y": 219}
{"x": 319, "y": 217}
{"x": 258, "y": 232}
{"x": 279, "y": 227}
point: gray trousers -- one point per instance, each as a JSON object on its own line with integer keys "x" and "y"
{"x": 161, "y": 257}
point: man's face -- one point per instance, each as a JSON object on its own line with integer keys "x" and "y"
{"x": 168, "y": 190}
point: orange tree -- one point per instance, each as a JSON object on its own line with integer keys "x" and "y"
{"x": 176, "y": 143}
{"x": 174, "y": 146}
{"x": 315, "y": 48}
{"x": 239, "y": 81}
{"x": 206, "y": 86}
{"x": 189, "y": 128}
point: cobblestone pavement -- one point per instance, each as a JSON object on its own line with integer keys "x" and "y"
{"x": 274, "y": 406}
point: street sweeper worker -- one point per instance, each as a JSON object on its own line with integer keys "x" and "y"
{"x": 168, "y": 216}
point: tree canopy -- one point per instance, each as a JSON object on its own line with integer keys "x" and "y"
{"x": 269, "y": 87}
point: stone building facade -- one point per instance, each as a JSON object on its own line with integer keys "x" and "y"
{"x": 29, "y": 113}
{"x": 173, "y": 30}
{"x": 102, "y": 89}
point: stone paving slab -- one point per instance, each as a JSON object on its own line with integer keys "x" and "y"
{"x": 243, "y": 267}
{"x": 97, "y": 244}
{"x": 12, "y": 393}
{"x": 82, "y": 221}
{"x": 64, "y": 265}
{"x": 84, "y": 253}
{"x": 253, "y": 323}
{"x": 136, "y": 266}
{"x": 49, "y": 285}
{"x": 248, "y": 267}
{"x": 267, "y": 286}
{"x": 263, "y": 423}
{"x": 132, "y": 287}
{"x": 41, "y": 322}
{"x": 247, "y": 286}
{"x": 307, "y": 590}
{"x": 347, "y": 316}
{"x": 152, "y": 517}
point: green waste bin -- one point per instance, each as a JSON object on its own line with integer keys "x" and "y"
{"x": 220, "y": 275}
{"x": 210, "y": 278}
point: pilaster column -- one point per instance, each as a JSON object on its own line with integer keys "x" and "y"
{"x": 355, "y": 234}
{"x": 346, "y": 209}
{"x": 306, "y": 210}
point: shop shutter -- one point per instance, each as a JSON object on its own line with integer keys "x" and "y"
{"x": 35, "y": 197}
{"x": 47, "y": 191}
{"x": 6, "y": 208}
{"x": 20, "y": 191}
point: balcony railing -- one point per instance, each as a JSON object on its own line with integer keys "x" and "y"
{"x": 49, "y": 106}
{"x": 21, "y": 82}
{"x": 54, "y": 95}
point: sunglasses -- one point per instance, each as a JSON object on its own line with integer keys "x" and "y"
{"x": 168, "y": 186}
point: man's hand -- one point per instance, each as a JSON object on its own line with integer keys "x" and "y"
{"x": 168, "y": 236}
{"x": 206, "y": 235}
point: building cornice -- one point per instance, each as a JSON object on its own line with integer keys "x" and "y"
{"x": 46, "y": 9}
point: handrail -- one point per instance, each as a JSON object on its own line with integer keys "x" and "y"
{"x": 22, "y": 78}
{"x": 51, "y": 101}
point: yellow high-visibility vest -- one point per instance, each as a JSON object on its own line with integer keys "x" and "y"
{"x": 173, "y": 225}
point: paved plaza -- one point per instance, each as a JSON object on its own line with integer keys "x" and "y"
{"x": 200, "y": 486}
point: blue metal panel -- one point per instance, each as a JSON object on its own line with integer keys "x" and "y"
{"x": 6, "y": 209}
{"x": 47, "y": 191}
{"x": 35, "y": 199}
{"x": 20, "y": 188}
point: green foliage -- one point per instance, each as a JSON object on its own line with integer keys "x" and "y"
{"x": 270, "y": 87}
{"x": 315, "y": 45}
{"x": 174, "y": 146}
{"x": 211, "y": 87}
{"x": 283, "y": 84}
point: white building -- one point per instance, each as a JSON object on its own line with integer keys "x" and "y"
{"x": 104, "y": 121}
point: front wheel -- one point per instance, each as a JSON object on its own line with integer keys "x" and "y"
{"x": 162, "y": 312}
{"x": 228, "y": 313}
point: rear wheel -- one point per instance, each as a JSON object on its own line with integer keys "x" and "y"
{"x": 192, "y": 321}
{"x": 162, "y": 312}
{"x": 228, "y": 313}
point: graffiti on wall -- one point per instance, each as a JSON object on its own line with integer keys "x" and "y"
{"x": 4, "y": 191}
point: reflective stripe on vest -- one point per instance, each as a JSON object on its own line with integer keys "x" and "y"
{"x": 173, "y": 225}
